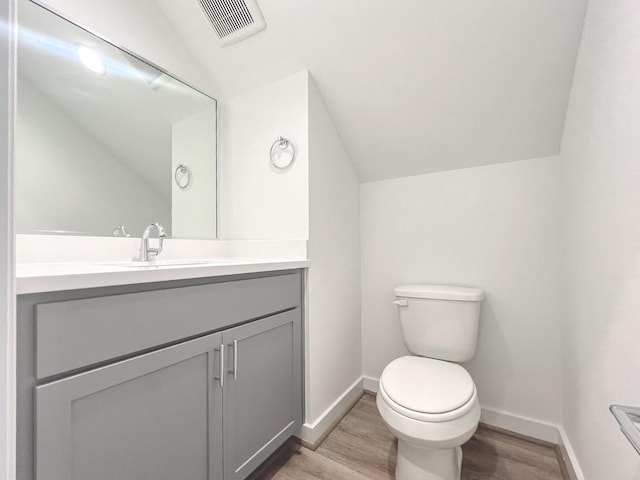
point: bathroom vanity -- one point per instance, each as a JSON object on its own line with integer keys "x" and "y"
{"x": 196, "y": 378}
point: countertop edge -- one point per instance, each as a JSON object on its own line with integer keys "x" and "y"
{"x": 34, "y": 283}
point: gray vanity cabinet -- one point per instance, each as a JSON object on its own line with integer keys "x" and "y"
{"x": 262, "y": 392}
{"x": 156, "y": 416}
{"x": 195, "y": 381}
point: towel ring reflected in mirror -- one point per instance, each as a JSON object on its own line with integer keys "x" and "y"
{"x": 282, "y": 153}
{"x": 182, "y": 176}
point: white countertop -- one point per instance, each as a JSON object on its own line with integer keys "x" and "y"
{"x": 52, "y": 277}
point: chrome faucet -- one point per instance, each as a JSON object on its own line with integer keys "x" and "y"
{"x": 146, "y": 253}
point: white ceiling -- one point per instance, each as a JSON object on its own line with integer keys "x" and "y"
{"x": 414, "y": 86}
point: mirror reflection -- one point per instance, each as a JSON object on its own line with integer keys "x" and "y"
{"x": 106, "y": 143}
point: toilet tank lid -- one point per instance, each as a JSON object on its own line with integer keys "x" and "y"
{"x": 440, "y": 292}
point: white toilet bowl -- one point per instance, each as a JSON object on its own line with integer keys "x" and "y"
{"x": 432, "y": 407}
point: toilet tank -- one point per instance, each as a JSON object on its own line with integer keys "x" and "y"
{"x": 439, "y": 321}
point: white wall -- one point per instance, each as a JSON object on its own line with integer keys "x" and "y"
{"x": 333, "y": 350}
{"x": 317, "y": 199}
{"x": 601, "y": 159}
{"x": 494, "y": 227}
{"x": 7, "y": 263}
{"x": 193, "y": 209}
{"x": 93, "y": 190}
{"x": 256, "y": 200}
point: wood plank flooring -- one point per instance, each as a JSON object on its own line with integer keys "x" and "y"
{"x": 361, "y": 448}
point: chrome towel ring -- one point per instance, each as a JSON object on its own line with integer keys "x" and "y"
{"x": 282, "y": 153}
{"x": 182, "y": 176}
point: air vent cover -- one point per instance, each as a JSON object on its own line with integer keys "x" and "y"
{"x": 233, "y": 20}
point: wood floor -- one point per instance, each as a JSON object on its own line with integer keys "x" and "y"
{"x": 361, "y": 448}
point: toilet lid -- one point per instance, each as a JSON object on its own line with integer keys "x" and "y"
{"x": 427, "y": 385}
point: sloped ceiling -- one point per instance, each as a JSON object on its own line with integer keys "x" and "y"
{"x": 414, "y": 86}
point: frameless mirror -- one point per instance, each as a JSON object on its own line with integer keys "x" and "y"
{"x": 106, "y": 140}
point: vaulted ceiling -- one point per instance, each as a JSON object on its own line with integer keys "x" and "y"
{"x": 413, "y": 86}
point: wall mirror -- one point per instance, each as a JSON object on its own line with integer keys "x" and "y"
{"x": 104, "y": 139}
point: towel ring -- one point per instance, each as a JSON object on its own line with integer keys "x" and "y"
{"x": 282, "y": 153}
{"x": 182, "y": 175}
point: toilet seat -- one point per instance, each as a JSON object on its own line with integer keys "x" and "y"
{"x": 426, "y": 389}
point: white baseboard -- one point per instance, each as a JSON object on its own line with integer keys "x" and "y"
{"x": 547, "y": 432}
{"x": 563, "y": 441}
{"x": 508, "y": 421}
{"x": 370, "y": 384}
{"x": 523, "y": 425}
{"x": 312, "y": 434}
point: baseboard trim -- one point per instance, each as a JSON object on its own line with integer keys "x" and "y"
{"x": 519, "y": 436}
{"x": 312, "y": 434}
{"x": 544, "y": 432}
{"x": 529, "y": 427}
{"x": 370, "y": 384}
{"x": 537, "y": 430}
{"x": 567, "y": 455}
{"x": 561, "y": 453}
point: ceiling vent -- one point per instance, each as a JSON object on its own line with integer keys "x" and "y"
{"x": 233, "y": 20}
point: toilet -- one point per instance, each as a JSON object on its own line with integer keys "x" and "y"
{"x": 427, "y": 400}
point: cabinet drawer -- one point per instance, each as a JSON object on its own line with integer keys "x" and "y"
{"x": 78, "y": 333}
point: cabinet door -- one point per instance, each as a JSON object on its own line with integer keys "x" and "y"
{"x": 153, "y": 417}
{"x": 262, "y": 391}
